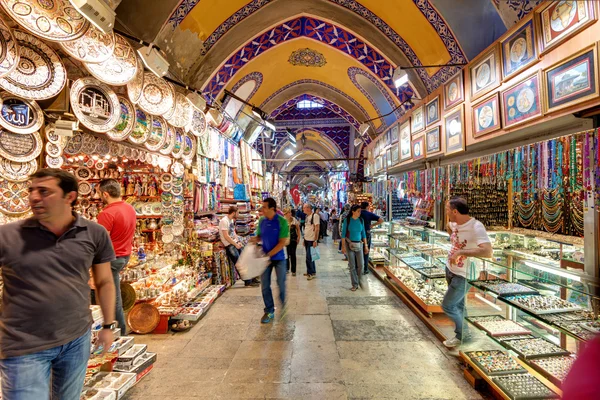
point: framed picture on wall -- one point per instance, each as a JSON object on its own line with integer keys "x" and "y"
{"x": 454, "y": 91}
{"x": 486, "y": 116}
{"x": 378, "y": 164}
{"x": 432, "y": 111}
{"x": 572, "y": 81}
{"x": 521, "y": 102}
{"x": 417, "y": 120}
{"x": 562, "y": 19}
{"x": 418, "y": 147}
{"x": 519, "y": 49}
{"x": 405, "y": 145}
{"x": 395, "y": 155}
{"x": 388, "y": 156}
{"x": 433, "y": 142}
{"x": 454, "y": 131}
{"x": 384, "y": 162}
{"x": 485, "y": 73}
{"x": 395, "y": 133}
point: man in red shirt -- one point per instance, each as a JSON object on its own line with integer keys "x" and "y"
{"x": 119, "y": 219}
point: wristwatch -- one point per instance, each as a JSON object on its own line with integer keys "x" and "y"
{"x": 110, "y": 326}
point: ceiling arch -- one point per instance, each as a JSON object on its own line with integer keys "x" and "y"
{"x": 330, "y": 105}
{"x": 232, "y": 106}
{"x": 377, "y": 95}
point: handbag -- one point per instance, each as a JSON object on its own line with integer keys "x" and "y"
{"x": 355, "y": 246}
{"x": 315, "y": 254}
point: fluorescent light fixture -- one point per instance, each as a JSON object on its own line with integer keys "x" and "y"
{"x": 197, "y": 100}
{"x": 357, "y": 141}
{"x": 400, "y": 77}
{"x": 554, "y": 271}
{"x": 270, "y": 125}
{"x": 97, "y": 12}
{"x": 257, "y": 112}
{"x": 153, "y": 60}
{"x": 363, "y": 128}
{"x": 495, "y": 306}
{"x": 289, "y": 152}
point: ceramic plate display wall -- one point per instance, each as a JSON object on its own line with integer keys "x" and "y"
{"x": 55, "y": 162}
{"x": 563, "y": 18}
{"x": 418, "y": 147}
{"x": 126, "y": 121}
{"x": 432, "y": 111}
{"x": 55, "y": 20}
{"x": 102, "y": 146}
{"x": 454, "y": 130}
{"x": 485, "y": 73}
{"x": 141, "y": 130}
{"x": 135, "y": 86}
{"x": 9, "y": 50}
{"x": 74, "y": 144}
{"x": 572, "y": 81}
{"x": 158, "y": 96}
{"x": 177, "y": 169}
{"x": 519, "y": 49}
{"x": 405, "y": 145}
{"x": 454, "y": 91}
{"x": 20, "y": 147}
{"x": 417, "y": 121}
{"x": 197, "y": 125}
{"x": 128, "y": 152}
{"x": 182, "y": 116}
{"x": 95, "y": 104}
{"x": 19, "y": 115}
{"x": 521, "y": 102}
{"x": 178, "y": 148}
{"x": 169, "y": 144}
{"x": 14, "y": 197}
{"x": 486, "y": 116}
{"x": 94, "y": 46}
{"x": 53, "y": 150}
{"x": 158, "y": 134}
{"x": 433, "y": 141}
{"x": 17, "y": 171}
{"x": 89, "y": 144}
{"x": 120, "y": 67}
{"x": 189, "y": 147}
{"x": 39, "y": 74}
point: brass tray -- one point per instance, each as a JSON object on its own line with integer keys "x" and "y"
{"x": 9, "y": 50}
{"x": 94, "y": 46}
{"x": 158, "y": 96}
{"x": 95, "y": 104}
{"x": 128, "y": 296}
{"x": 143, "y": 318}
{"x": 121, "y": 66}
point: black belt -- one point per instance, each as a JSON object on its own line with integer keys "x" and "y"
{"x": 355, "y": 242}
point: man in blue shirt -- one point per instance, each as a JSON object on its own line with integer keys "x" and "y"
{"x": 274, "y": 232}
{"x": 371, "y": 220}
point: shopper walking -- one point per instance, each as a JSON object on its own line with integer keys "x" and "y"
{"x": 274, "y": 232}
{"x": 468, "y": 238}
{"x": 311, "y": 238}
{"x": 302, "y": 218}
{"x": 335, "y": 226}
{"x": 119, "y": 218}
{"x": 294, "y": 238}
{"x": 343, "y": 216}
{"x": 45, "y": 320}
{"x": 371, "y": 220}
{"x": 324, "y": 221}
{"x": 231, "y": 241}
{"x": 354, "y": 245}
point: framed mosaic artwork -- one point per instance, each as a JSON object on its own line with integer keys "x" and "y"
{"x": 521, "y": 102}
{"x": 454, "y": 132}
{"x": 417, "y": 120}
{"x": 485, "y": 73}
{"x": 405, "y": 145}
{"x": 519, "y": 49}
{"x": 418, "y": 147}
{"x": 433, "y": 141}
{"x": 454, "y": 91}
{"x": 486, "y": 116}
{"x": 562, "y": 19}
{"x": 432, "y": 111}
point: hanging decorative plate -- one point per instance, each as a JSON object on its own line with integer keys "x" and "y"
{"x": 9, "y": 50}
{"x": 20, "y": 147}
{"x": 83, "y": 173}
{"x": 178, "y": 147}
{"x": 52, "y": 137}
{"x": 120, "y": 150}
{"x": 155, "y": 160}
{"x": 94, "y": 46}
{"x": 55, "y": 162}
{"x": 135, "y": 86}
{"x": 120, "y": 67}
{"x": 166, "y": 178}
{"x": 89, "y": 163}
{"x": 156, "y": 208}
{"x": 178, "y": 201}
{"x": 95, "y": 104}
{"x": 166, "y": 197}
{"x": 177, "y": 229}
{"x": 135, "y": 154}
{"x": 148, "y": 158}
{"x": 177, "y": 169}
{"x": 99, "y": 165}
{"x": 168, "y": 238}
{"x": 189, "y": 146}
{"x": 53, "y": 150}
{"x": 74, "y": 144}
{"x": 141, "y": 130}
{"x": 113, "y": 149}
{"x": 177, "y": 190}
{"x": 126, "y": 120}
{"x": 158, "y": 134}
{"x": 103, "y": 146}
{"x": 55, "y": 20}
{"x": 89, "y": 144}
{"x": 19, "y": 115}
{"x": 177, "y": 181}
{"x": 16, "y": 171}
{"x": 85, "y": 188}
{"x": 14, "y": 197}
{"x": 197, "y": 124}
{"x": 182, "y": 116}
{"x": 158, "y": 96}
{"x": 166, "y": 229}
{"x": 147, "y": 209}
{"x": 169, "y": 144}
{"x": 39, "y": 74}
{"x": 129, "y": 152}
{"x": 165, "y": 186}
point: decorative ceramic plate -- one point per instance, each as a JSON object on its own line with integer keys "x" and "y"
{"x": 55, "y": 162}
{"x": 9, "y": 50}
{"x": 169, "y": 144}
{"x": 120, "y": 150}
{"x": 55, "y": 20}
{"x": 85, "y": 188}
{"x": 178, "y": 201}
{"x": 74, "y": 144}
{"x": 166, "y": 198}
{"x": 141, "y": 130}
{"x": 40, "y": 73}
{"x": 126, "y": 120}
{"x": 138, "y": 206}
{"x": 53, "y": 150}
{"x": 166, "y": 178}
{"x": 197, "y": 124}
{"x": 158, "y": 96}
{"x": 189, "y": 146}
{"x": 95, "y": 104}
{"x": 113, "y": 149}
{"x": 166, "y": 229}
{"x": 156, "y": 208}
{"x": 89, "y": 163}
{"x": 177, "y": 229}
{"x": 135, "y": 86}
{"x": 165, "y": 186}
{"x": 16, "y": 171}
{"x": 155, "y": 160}
{"x": 83, "y": 173}
{"x": 158, "y": 134}
{"x": 177, "y": 190}
{"x": 168, "y": 238}
{"x": 94, "y": 46}
{"x": 20, "y": 147}
{"x": 178, "y": 147}
{"x": 135, "y": 154}
{"x": 182, "y": 116}
{"x": 89, "y": 144}
{"x": 120, "y": 67}
{"x": 129, "y": 152}
{"x": 147, "y": 209}
{"x": 177, "y": 169}
{"x": 100, "y": 165}
{"x": 19, "y": 115}
{"x": 52, "y": 137}
{"x": 177, "y": 181}
{"x": 14, "y": 197}
{"x": 148, "y": 158}
{"x": 103, "y": 146}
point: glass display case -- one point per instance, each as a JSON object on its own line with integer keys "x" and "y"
{"x": 380, "y": 244}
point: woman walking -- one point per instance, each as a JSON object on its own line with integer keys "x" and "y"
{"x": 294, "y": 237}
{"x": 335, "y": 226}
{"x": 354, "y": 245}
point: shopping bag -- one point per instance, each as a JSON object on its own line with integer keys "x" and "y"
{"x": 315, "y": 254}
{"x": 252, "y": 262}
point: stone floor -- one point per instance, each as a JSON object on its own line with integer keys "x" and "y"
{"x": 332, "y": 344}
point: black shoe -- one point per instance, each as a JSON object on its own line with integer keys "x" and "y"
{"x": 252, "y": 284}
{"x": 366, "y": 271}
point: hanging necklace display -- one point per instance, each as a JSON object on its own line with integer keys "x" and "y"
{"x": 54, "y": 162}
{"x": 19, "y": 115}
{"x": 9, "y": 50}
{"x": 141, "y": 130}
{"x": 178, "y": 148}
{"x": 17, "y": 171}
{"x": 74, "y": 144}
{"x": 158, "y": 134}
{"x": 39, "y": 74}
{"x": 158, "y": 96}
{"x": 14, "y": 197}
{"x": 55, "y": 20}
{"x": 136, "y": 85}
{"x": 169, "y": 144}
{"x": 189, "y": 147}
{"x": 94, "y": 46}
{"x": 95, "y": 104}
{"x": 197, "y": 124}
{"x": 20, "y": 147}
{"x": 182, "y": 116}
{"x": 120, "y": 67}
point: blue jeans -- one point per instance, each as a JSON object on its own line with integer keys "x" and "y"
{"x": 366, "y": 256}
{"x": 116, "y": 267}
{"x": 280, "y": 267}
{"x": 29, "y": 377}
{"x": 454, "y": 302}
{"x": 311, "y": 267}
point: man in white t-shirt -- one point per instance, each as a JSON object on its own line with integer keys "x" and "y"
{"x": 468, "y": 239}
{"x": 311, "y": 238}
{"x": 230, "y": 240}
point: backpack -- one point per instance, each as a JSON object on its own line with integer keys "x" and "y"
{"x": 293, "y": 234}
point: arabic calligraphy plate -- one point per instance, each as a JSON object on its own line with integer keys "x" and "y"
{"x": 52, "y": 137}
{"x": 197, "y": 124}
{"x": 85, "y": 188}
{"x": 39, "y": 74}
{"x": 126, "y": 120}
{"x": 20, "y": 147}
{"x": 94, "y": 46}
{"x": 17, "y": 171}
{"x": 9, "y": 50}
{"x": 136, "y": 85}
{"x": 189, "y": 146}
{"x": 100, "y": 165}
{"x": 53, "y": 150}
{"x": 14, "y": 197}
{"x": 19, "y": 115}
{"x": 95, "y": 104}
{"x": 182, "y": 116}
{"x": 120, "y": 67}
{"x": 158, "y": 134}
{"x": 74, "y": 144}
{"x": 178, "y": 147}
{"x": 83, "y": 173}
{"x": 141, "y": 130}
{"x": 158, "y": 96}
{"x": 54, "y": 162}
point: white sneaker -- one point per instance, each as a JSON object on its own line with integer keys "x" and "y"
{"x": 450, "y": 343}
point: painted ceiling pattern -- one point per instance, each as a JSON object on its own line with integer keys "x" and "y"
{"x": 294, "y": 113}
{"x": 310, "y": 165}
{"x": 338, "y": 135}
{"x": 307, "y": 58}
{"x": 330, "y": 105}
